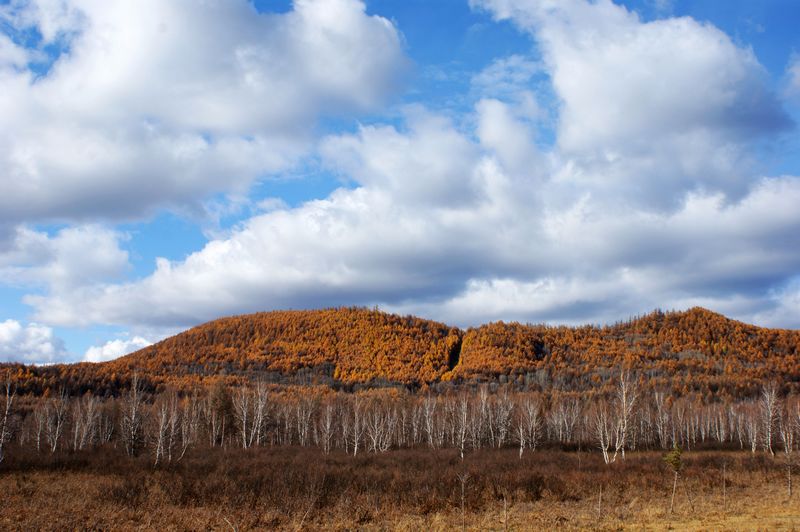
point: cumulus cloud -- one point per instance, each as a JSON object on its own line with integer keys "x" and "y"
{"x": 648, "y": 109}
{"x": 161, "y": 103}
{"x": 502, "y": 131}
{"x": 31, "y": 343}
{"x": 115, "y": 349}
{"x": 370, "y": 243}
{"x": 475, "y": 220}
{"x": 71, "y": 257}
{"x": 503, "y": 250}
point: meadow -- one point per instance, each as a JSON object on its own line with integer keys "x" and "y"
{"x": 297, "y": 488}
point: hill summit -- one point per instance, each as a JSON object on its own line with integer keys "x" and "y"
{"x": 694, "y": 351}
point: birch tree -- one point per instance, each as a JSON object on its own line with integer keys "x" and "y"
{"x": 627, "y": 393}
{"x": 56, "y": 419}
{"x": 531, "y": 420}
{"x": 5, "y": 424}
{"x": 131, "y": 420}
{"x": 769, "y": 415}
{"x": 85, "y": 413}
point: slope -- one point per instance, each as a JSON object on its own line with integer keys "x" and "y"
{"x": 683, "y": 352}
{"x": 691, "y": 352}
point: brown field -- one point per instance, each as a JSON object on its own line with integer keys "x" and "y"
{"x": 300, "y": 488}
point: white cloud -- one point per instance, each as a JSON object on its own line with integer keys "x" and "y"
{"x": 535, "y": 247}
{"x": 431, "y": 164}
{"x": 72, "y": 257}
{"x": 513, "y": 141}
{"x": 648, "y": 110}
{"x": 11, "y": 56}
{"x": 160, "y": 103}
{"x": 475, "y": 223}
{"x": 115, "y": 349}
{"x": 507, "y": 77}
{"x": 424, "y": 207}
{"x": 31, "y": 343}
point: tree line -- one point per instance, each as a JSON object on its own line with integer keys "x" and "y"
{"x": 165, "y": 425}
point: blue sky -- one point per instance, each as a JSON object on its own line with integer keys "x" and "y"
{"x": 533, "y": 160}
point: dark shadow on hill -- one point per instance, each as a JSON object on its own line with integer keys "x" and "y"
{"x": 454, "y": 356}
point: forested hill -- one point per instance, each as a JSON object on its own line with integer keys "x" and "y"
{"x": 348, "y": 345}
{"x": 696, "y": 351}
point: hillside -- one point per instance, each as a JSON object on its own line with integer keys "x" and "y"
{"x": 349, "y": 345}
{"x": 696, "y": 351}
{"x": 345, "y": 345}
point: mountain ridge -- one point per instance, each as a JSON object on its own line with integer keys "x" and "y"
{"x": 692, "y": 351}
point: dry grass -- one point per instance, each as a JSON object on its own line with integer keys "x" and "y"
{"x": 293, "y": 488}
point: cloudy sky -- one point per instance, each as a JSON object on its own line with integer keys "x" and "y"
{"x": 167, "y": 162}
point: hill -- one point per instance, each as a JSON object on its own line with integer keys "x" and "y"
{"x": 349, "y": 345}
{"x": 691, "y": 352}
{"x": 333, "y": 346}
{"x": 696, "y": 351}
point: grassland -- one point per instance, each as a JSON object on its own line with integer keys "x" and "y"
{"x": 300, "y": 488}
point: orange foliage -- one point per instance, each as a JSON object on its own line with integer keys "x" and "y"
{"x": 696, "y": 352}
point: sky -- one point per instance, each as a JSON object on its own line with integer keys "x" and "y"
{"x": 167, "y": 162}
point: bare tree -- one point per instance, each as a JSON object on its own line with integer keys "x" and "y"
{"x": 627, "y": 393}
{"x": 603, "y": 430}
{"x": 189, "y": 424}
{"x": 326, "y": 428}
{"x": 380, "y": 423}
{"x": 304, "y": 410}
{"x": 56, "y": 418}
{"x": 521, "y": 438}
{"x": 429, "y": 405}
{"x": 217, "y": 413}
{"x": 357, "y": 426}
{"x": 285, "y": 418}
{"x": 85, "y": 413}
{"x": 106, "y": 422}
{"x": 529, "y": 424}
{"x": 786, "y": 425}
{"x": 260, "y": 413}
{"x": 769, "y": 414}
{"x": 462, "y": 421}
{"x": 751, "y": 428}
{"x": 39, "y": 424}
{"x": 161, "y": 430}
{"x": 503, "y": 408}
{"x": 131, "y": 422}
{"x": 5, "y": 425}
{"x": 241, "y": 409}
{"x": 662, "y": 419}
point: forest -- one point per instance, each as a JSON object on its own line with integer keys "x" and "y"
{"x": 693, "y": 353}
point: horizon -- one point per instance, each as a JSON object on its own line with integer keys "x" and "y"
{"x": 557, "y": 162}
